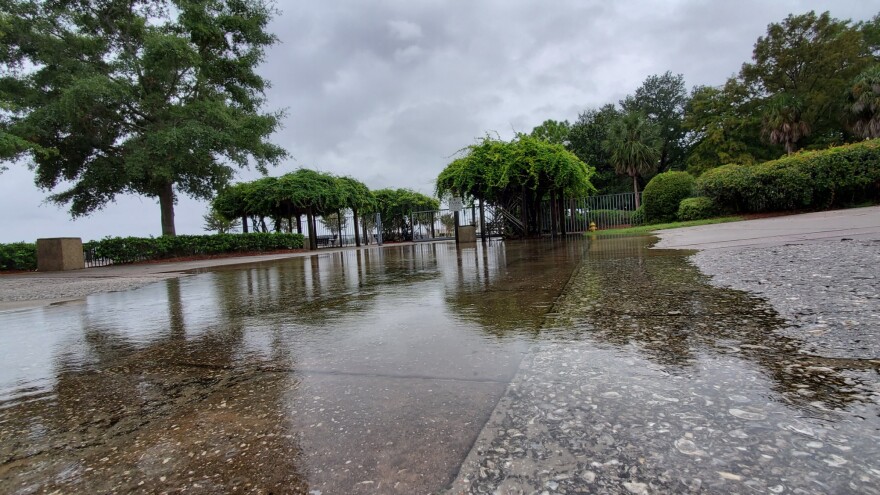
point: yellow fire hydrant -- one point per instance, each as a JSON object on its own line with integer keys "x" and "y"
{"x": 593, "y": 227}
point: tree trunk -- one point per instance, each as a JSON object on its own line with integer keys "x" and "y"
{"x": 299, "y": 224}
{"x": 313, "y": 243}
{"x": 244, "y": 225}
{"x": 636, "y": 190}
{"x": 554, "y": 214}
{"x": 166, "y": 206}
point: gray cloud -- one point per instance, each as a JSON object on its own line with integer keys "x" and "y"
{"x": 387, "y": 91}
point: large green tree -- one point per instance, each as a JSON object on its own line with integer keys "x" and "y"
{"x": 633, "y": 146}
{"x": 812, "y": 59}
{"x": 724, "y": 126}
{"x": 150, "y": 97}
{"x": 662, "y": 99}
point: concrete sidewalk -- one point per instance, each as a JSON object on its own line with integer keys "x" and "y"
{"x": 856, "y": 223}
{"x": 35, "y": 289}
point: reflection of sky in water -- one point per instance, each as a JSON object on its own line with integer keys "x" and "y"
{"x": 402, "y": 310}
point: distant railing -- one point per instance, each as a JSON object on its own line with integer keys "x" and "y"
{"x": 606, "y": 212}
{"x": 92, "y": 259}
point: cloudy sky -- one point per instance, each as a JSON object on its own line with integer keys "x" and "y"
{"x": 387, "y": 91}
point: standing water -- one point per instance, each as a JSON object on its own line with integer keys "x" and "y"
{"x": 577, "y": 366}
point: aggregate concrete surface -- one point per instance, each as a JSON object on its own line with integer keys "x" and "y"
{"x": 762, "y": 379}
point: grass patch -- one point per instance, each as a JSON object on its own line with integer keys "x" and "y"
{"x": 644, "y": 229}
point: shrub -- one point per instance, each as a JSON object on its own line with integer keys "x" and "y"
{"x": 663, "y": 194}
{"x": 18, "y": 256}
{"x": 131, "y": 249}
{"x": 638, "y": 216}
{"x": 696, "y": 209}
{"x": 812, "y": 179}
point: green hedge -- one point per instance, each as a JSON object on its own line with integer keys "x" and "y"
{"x": 664, "y": 193}
{"x": 807, "y": 180}
{"x": 18, "y": 256}
{"x": 696, "y": 209}
{"x": 132, "y": 249}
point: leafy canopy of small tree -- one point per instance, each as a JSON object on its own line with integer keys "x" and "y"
{"x": 153, "y": 97}
{"x": 215, "y": 222}
{"x": 552, "y": 131}
{"x": 863, "y": 103}
{"x": 784, "y": 123}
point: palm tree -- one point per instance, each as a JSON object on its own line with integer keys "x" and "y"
{"x": 863, "y": 103}
{"x": 783, "y": 122}
{"x": 633, "y": 146}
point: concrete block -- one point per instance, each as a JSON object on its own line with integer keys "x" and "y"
{"x": 467, "y": 233}
{"x": 60, "y": 254}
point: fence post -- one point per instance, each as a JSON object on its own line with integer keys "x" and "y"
{"x": 378, "y": 229}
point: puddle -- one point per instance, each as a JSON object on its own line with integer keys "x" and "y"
{"x": 354, "y": 372}
{"x": 406, "y": 369}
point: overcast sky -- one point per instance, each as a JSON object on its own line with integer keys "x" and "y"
{"x": 387, "y": 91}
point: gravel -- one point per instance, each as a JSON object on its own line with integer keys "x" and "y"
{"x": 34, "y": 288}
{"x": 828, "y": 292}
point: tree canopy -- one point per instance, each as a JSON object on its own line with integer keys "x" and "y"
{"x": 526, "y": 169}
{"x": 662, "y": 99}
{"x": 863, "y": 103}
{"x": 156, "y": 98}
{"x": 303, "y": 192}
{"x": 633, "y": 146}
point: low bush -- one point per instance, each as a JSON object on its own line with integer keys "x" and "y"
{"x": 132, "y": 249}
{"x": 664, "y": 193}
{"x": 18, "y": 256}
{"x": 807, "y": 180}
{"x": 697, "y": 208}
{"x": 638, "y": 216}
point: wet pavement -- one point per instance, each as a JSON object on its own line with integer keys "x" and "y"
{"x": 650, "y": 380}
{"x": 557, "y": 367}
{"x": 353, "y": 372}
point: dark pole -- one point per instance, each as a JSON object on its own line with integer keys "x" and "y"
{"x": 562, "y": 213}
{"x": 357, "y": 234}
{"x": 432, "y": 226}
{"x": 456, "y": 227}
{"x": 482, "y": 221}
{"x": 554, "y": 217}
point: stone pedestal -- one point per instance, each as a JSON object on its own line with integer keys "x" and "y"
{"x": 467, "y": 233}
{"x": 60, "y": 254}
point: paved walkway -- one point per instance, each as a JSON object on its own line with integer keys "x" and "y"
{"x": 855, "y": 223}
{"x": 29, "y": 290}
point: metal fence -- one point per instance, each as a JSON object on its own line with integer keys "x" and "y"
{"x": 339, "y": 231}
{"x": 439, "y": 225}
{"x": 606, "y": 212}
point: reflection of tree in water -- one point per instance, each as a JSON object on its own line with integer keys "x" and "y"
{"x": 660, "y": 303}
{"x": 508, "y": 288}
{"x": 321, "y": 290}
{"x": 156, "y": 414}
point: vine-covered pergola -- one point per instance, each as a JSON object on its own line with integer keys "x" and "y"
{"x": 291, "y": 196}
{"x": 517, "y": 175}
